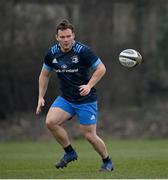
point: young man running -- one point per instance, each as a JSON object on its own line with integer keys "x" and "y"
{"x": 72, "y": 61}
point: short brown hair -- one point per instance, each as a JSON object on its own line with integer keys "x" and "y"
{"x": 64, "y": 24}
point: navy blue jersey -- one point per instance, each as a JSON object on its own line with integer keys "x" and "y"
{"x": 73, "y": 70}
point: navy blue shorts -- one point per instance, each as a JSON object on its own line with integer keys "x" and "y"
{"x": 86, "y": 113}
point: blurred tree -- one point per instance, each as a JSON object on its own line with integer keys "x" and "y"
{"x": 28, "y": 30}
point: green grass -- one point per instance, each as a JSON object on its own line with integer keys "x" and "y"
{"x": 132, "y": 159}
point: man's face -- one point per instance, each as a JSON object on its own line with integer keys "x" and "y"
{"x": 65, "y": 39}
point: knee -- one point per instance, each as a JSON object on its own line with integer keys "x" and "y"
{"x": 50, "y": 123}
{"x": 89, "y": 136}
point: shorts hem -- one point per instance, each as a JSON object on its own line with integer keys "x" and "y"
{"x": 63, "y": 110}
{"x": 87, "y": 123}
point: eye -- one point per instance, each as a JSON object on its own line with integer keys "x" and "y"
{"x": 62, "y": 37}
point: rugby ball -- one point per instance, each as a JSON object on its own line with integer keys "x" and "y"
{"x": 130, "y": 58}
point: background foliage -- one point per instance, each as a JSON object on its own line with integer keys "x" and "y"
{"x": 128, "y": 98}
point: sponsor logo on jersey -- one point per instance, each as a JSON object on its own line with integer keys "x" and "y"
{"x": 64, "y": 66}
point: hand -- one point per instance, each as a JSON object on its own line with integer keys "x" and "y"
{"x": 84, "y": 90}
{"x": 41, "y": 103}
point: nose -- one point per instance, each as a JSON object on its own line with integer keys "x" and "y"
{"x": 66, "y": 39}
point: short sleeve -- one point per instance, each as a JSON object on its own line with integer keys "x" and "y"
{"x": 48, "y": 61}
{"x": 89, "y": 58}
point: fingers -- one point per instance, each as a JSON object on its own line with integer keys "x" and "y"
{"x": 84, "y": 90}
{"x": 38, "y": 110}
{"x": 41, "y": 103}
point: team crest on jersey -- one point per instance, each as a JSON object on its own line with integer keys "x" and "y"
{"x": 75, "y": 59}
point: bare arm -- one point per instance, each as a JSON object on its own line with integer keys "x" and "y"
{"x": 97, "y": 75}
{"x": 43, "y": 85}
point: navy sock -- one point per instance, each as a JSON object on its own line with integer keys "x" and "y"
{"x": 68, "y": 149}
{"x": 106, "y": 159}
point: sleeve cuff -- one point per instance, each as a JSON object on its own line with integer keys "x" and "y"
{"x": 94, "y": 66}
{"x": 47, "y": 67}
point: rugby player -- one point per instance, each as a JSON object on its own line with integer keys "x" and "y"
{"x": 72, "y": 61}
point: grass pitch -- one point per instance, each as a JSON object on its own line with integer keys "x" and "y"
{"x": 132, "y": 159}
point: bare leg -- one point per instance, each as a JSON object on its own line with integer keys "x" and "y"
{"x": 89, "y": 131}
{"x": 54, "y": 120}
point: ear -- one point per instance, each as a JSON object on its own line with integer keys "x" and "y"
{"x": 73, "y": 35}
{"x": 56, "y": 37}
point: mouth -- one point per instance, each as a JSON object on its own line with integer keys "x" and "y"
{"x": 67, "y": 45}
